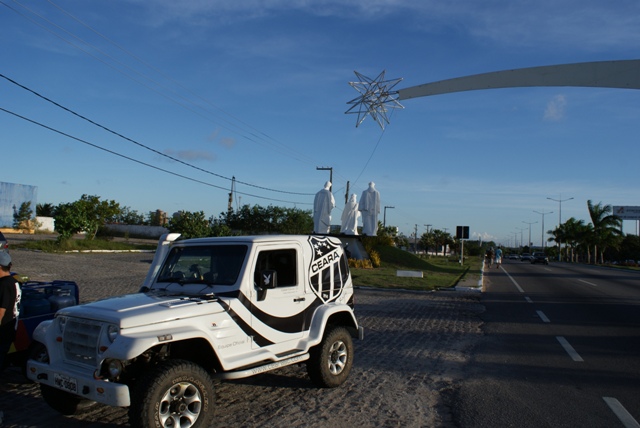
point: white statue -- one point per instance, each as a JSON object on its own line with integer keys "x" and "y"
{"x": 370, "y": 208}
{"x": 350, "y": 217}
{"x": 322, "y": 206}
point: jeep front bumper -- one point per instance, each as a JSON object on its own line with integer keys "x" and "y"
{"x": 78, "y": 383}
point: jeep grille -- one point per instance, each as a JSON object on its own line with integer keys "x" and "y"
{"x": 81, "y": 341}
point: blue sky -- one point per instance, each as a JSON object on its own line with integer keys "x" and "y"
{"x": 257, "y": 90}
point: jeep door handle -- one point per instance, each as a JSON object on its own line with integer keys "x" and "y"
{"x": 299, "y": 299}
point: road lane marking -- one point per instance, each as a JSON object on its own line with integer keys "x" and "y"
{"x": 625, "y": 417}
{"x": 528, "y": 299}
{"x": 514, "y": 281}
{"x": 542, "y": 316}
{"x": 567, "y": 347}
{"x": 587, "y": 282}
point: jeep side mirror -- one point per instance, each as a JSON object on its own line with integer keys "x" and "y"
{"x": 268, "y": 280}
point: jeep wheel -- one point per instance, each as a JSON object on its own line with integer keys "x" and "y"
{"x": 330, "y": 361}
{"x": 177, "y": 393}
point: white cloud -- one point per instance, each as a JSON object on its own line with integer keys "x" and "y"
{"x": 191, "y": 155}
{"x": 589, "y": 24}
{"x": 228, "y": 142}
{"x": 555, "y": 108}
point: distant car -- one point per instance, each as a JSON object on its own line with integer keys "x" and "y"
{"x": 540, "y": 258}
{"x": 526, "y": 257}
{"x": 513, "y": 257}
{"x": 4, "y": 245}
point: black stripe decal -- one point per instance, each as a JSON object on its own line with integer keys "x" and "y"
{"x": 246, "y": 328}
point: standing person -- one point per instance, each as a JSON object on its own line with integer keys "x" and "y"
{"x": 489, "y": 256}
{"x": 498, "y": 257}
{"x": 9, "y": 306}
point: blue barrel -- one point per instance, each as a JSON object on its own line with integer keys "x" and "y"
{"x": 33, "y": 303}
{"x": 61, "y": 298}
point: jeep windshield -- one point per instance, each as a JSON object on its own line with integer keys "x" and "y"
{"x": 211, "y": 265}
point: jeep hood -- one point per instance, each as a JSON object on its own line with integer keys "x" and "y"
{"x": 133, "y": 310}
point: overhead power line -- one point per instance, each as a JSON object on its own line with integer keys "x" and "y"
{"x": 140, "y": 144}
{"x": 135, "y": 160}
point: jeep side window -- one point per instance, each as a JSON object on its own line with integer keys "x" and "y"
{"x": 283, "y": 262}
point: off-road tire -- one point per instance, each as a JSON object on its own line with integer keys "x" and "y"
{"x": 331, "y": 360}
{"x": 178, "y": 392}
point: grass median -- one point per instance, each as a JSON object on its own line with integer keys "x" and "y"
{"x": 438, "y": 271}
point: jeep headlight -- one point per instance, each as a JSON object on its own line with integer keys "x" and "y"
{"x": 114, "y": 368}
{"x": 112, "y": 332}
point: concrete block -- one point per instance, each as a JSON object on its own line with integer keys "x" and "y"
{"x": 409, "y": 273}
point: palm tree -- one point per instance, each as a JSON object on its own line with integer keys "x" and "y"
{"x": 557, "y": 236}
{"x": 606, "y": 228}
{"x": 573, "y": 232}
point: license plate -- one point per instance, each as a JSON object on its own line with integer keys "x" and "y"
{"x": 66, "y": 383}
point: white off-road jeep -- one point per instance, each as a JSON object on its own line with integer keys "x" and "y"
{"x": 212, "y": 307}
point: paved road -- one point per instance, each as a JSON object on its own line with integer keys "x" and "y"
{"x": 413, "y": 357}
{"x": 562, "y": 348}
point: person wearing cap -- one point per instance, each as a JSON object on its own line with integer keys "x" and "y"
{"x": 9, "y": 306}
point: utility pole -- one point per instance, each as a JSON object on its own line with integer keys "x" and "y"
{"x": 346, "y": 194}
{"x": 233, "y": 188}
{"x": 415, "y": 239}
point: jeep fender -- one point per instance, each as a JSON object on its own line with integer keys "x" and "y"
{"x": 130, "y": 345}
{"x": 331, "y": 314}
{"x": 40, "y": 333}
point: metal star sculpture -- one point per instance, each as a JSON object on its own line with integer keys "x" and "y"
{"x": 376, "y": 98}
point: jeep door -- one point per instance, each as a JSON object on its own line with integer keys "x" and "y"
{"x": 278, "y": 300}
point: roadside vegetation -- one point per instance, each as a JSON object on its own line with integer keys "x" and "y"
{"x": 600, "y": 241}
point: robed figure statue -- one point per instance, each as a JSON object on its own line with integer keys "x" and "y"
{"x": 369, "y": 207}
{"x": 322, "y": 206}
{"x": 350, "y": 217}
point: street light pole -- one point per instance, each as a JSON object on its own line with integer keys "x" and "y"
{"x": 529, "y": 242}
{"x": 521, "y": 229}
{"x": 384, "y": 219}
{"x": 542, "y": 234}
{"x": 560, "y": 201}
{"x": 327, "y": 168}
{"x": 428, "y": 238}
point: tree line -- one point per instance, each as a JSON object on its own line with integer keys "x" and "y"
{"x": 90, "y": 214}
{"x": 580, "y": 241}
{"x": 589, "y": 242}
